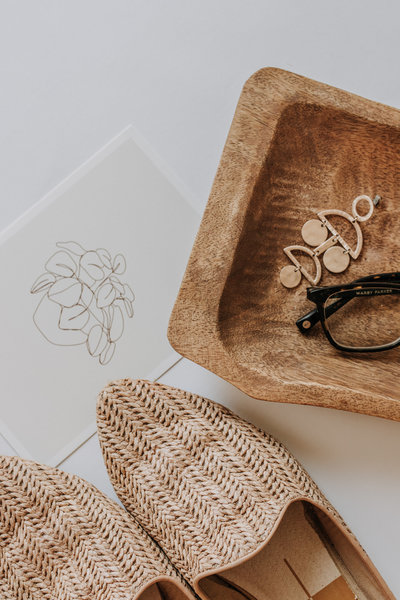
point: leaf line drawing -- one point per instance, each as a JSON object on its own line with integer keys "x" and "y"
{"x": 83, "y": 299}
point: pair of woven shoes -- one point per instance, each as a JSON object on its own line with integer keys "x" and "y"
{"x": 215, "y": 508}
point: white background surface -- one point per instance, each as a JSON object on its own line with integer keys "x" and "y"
{"x": 75, "y": 73}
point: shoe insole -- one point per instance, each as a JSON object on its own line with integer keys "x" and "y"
{"x": 162, "y": 591}
{"x": 294, "y": 565}
{"x": 152, "y": 593}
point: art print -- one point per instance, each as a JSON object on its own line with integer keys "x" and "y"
{"x": 90, "y": 276}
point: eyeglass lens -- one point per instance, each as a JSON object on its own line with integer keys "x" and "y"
{"x": 367, "y": 318}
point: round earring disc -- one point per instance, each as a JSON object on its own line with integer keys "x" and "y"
{"x": 290, "y": 276}
{"x": 314, "y": 232}
{"x": 336, "y": 259}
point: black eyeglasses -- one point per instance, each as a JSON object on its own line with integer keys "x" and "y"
{"x": 361, "y": 316}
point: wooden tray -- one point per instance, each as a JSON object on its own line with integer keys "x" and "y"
{"x": 295, "y": 147}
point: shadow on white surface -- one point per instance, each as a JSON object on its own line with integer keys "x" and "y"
{"x": 5, "y": 448}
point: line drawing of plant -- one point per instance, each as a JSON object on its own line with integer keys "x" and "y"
{"x": 83, "y": 299}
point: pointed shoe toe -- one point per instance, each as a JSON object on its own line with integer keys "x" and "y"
{"x": 62, "y": 539}
{"x": 236, "y": 514}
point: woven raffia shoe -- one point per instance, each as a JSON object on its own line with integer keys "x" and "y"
{"x": 62, "y": 539}
{"x": 234, "y": 511}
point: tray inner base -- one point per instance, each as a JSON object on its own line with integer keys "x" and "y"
{"x": 320, "y": 158}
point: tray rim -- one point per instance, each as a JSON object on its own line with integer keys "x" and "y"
{"x": 193, "y": 327}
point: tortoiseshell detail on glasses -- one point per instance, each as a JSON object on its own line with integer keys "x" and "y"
{"x": 371, "y": 285}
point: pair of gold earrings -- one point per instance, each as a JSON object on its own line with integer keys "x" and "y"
{"x": 335, "y": 251}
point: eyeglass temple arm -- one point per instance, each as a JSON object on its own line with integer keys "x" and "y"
{"x": 308, "y": 321}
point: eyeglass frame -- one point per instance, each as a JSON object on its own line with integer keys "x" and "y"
{"x": 319, "y": 295}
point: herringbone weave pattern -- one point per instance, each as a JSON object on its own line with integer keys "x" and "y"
{"x": 206, "y": 485}
{"x": 62, "y": 539}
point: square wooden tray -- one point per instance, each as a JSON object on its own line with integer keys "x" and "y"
{"x": 295, "y": 146}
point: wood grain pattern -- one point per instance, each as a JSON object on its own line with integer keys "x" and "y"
{"x": 295, "y": 147}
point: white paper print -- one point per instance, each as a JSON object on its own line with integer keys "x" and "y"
{"x": 89, "y": 279}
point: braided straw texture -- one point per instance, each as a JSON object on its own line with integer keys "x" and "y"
{"x": 204, "y": 483}
{"x": 62, "y": 539}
